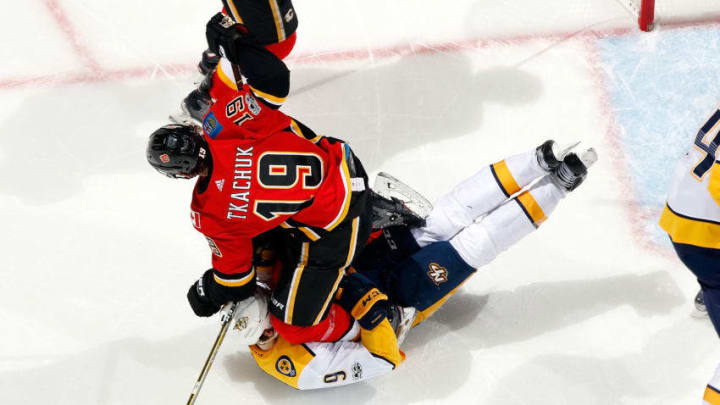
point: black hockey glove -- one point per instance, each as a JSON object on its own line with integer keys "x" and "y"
{"x": 363, "y": 300}
{"x": 221, "y": 30}
{"x": 206, "y": 295}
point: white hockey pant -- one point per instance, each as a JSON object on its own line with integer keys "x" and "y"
{"x": 487, "y": 194}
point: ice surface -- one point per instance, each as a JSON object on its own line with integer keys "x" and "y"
{"x": 98, "y": 250}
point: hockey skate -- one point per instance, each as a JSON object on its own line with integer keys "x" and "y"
{"x": 573, "y": 169}
{"x": 193, "y": 108}
{"x": 196, "y": 105}
{"x": 387, "y": 212}
{"x": 550, "y": 155}
{"x": 209, "y": 62}
{"x": 390, "y": 188}
{"x": 700, "y": 308}
{"x": 401, "y": 319}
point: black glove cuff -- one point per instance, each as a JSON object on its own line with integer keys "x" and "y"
{"x": 222, "y": 288}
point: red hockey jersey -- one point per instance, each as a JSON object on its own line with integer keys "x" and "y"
{"x": 259, "y": 182}
{"x": 267, "y": 170}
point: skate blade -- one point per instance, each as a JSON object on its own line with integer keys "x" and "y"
{"x": 389, "y": 187}
{"x": 697, "y": 314}
{"x": 408, "y": 317}
{"x": 183, "y": 119}
{"x": 561, "y": 151}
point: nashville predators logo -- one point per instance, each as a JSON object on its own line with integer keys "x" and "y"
{"x": 437, "y": 273}
{"x": 285, "y": 366}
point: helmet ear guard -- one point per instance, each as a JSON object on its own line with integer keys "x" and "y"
{"x": 177, "y": 151}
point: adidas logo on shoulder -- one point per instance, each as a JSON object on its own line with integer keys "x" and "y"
{"x": 220, "y": 184}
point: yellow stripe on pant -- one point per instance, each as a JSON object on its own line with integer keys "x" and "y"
{"x": 711, "y": 396}
{"x": 234, "y": 11}
{"x": 341, "y": 271}
{"x": 296, "y": 283}
{"x": 278, "y": 20}
{"x": 505, "y": 179}
{"x": 532, "y": 209}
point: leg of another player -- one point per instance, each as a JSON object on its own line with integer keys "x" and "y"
{"x": 477, "y": 195}
{"x": 705, "y": 264}
{"x": 431, "y": 275}
{"x": 479, "y": 243}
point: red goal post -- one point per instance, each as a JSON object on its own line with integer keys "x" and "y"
{"x": 644, "y": 10}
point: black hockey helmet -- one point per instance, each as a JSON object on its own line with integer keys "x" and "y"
{"x": 177, "y": 151}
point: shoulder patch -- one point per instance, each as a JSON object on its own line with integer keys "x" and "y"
{"x": 213, "y": 247}
{"x": 252, "y": 104}
{"x": 211, "y": 126}
{"x": 285, "y": 366}
{"x": 357, "y": 371}
{"x": 195, "y": 218}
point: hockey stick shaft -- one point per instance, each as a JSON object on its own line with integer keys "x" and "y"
{"x": 226, "y": 321}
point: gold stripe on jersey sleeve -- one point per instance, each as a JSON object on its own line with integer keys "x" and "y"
{"x": 690, "y": 231}
{"x": 345, "y": 175}
{"x": 330, "y": 296}
{"x": 714, "y": 182}
{"x": 290, "y": 304}
{"x": 297, "y": 131}
{"x": 504, "y": 178}
{"x": 233, "y": 10}
{"x": 283, "y": 361}
{"x": 381, "y": 342}
{"x": 711, "y": 396}
{"x": 532, "y": 208}
{"x": 235, "y": 282}
{"x": 309, "y": 233}
{"x": 225, "y": 78}
{"x": 268, "y": 97}
{"x": 278, "y": 20}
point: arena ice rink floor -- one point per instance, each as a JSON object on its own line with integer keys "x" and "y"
{"x": 593, "y": 309}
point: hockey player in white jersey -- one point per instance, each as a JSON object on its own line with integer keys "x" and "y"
{"x": 692, "y": 220}
{"x": 406, "y": 274}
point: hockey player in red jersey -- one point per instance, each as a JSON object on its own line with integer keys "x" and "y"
{"x": 259, "y": 170}
{"x": 248, "y": 185}
{"x": 418, "y": 269}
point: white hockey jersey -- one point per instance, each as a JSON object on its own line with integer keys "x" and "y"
{"x": 324, "y": 365}
{"x": 692, "y": 213}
